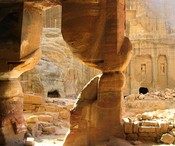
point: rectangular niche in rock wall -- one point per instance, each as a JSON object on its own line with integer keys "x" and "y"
{"x": 162, "y": 69}
{"x": 143, "y": 69}
{"x": 162, "y": 78}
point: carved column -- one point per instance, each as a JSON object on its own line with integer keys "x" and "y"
{"x": 20, "y": 31}
{"x": 94, "y": 30}
{"x": 109, "y": 106}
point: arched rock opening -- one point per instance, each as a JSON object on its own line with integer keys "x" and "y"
{"x": 53, "y": 94}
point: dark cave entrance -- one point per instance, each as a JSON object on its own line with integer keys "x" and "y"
{"x": 53, "y": 94}
{"x": 143, "y": 90}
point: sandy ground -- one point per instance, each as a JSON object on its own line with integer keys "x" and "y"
{"x": 58, "y": 140}
{"x": 49, "y": 140}
{"x": 52, "y": 140}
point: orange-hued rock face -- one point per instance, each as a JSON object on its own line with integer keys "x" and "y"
{"x": 83, "y": 27}
{"x": 95, "y": 32}
{"x": 94, "y": 29}
{"x": 12, "y": 121}
{"x": 20, "y": 32}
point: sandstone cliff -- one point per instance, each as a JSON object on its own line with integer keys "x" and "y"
{"x": 58, "y": 73}
{"x": 150, "y": 27}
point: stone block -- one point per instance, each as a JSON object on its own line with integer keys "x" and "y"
{"x": 28, "y": 107}
{"x": 45, "y": 118}
{"x": 136, "y": 127}
{"x": 44, "y": 124}
{"x": 167, "y": 138}
{"x": 149, "y": 123}
{"x": 172, "y": 132}
{"x": 147, "y": 116}
{"x": 147, "y": 129}
{"x": 55, "y": 116}
{"x": 127, "y": 125}
{"x": 49, "y": 130}
{"x": 139, "y": 116}
{"x": 50, "y": 108}
{"x": 33, "y": 99}
{"x": 170, "y": 127}
{"x": 32, "y": 119}
{"x": 59, "y": 108}
{"x": 158, "y": 131}
{"x": 64, "y": 114}
{"x": 164, "y": 126}
{"x": 41, "y": 109}
{"x": 52, "y": 104}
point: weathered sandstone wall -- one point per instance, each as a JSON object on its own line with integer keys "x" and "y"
{"x": 150, "y": 27}
{"x": 58, "y": 73}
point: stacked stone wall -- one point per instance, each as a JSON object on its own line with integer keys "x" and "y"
{"x": 157, "y": 126}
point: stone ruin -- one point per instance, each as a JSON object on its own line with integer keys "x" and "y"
{"x": 100, "y": 43}
{"x": 150, "y": 117}
{"x": 96, "y": 117}
{"x": 157, "y": 126}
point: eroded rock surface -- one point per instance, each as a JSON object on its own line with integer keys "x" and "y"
{"x": 57, "y": 69}
{"x": 101, "y": 44}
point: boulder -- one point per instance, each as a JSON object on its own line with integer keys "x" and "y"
{"x": 147, "y": 116}
{"x": 45, "y": 118}
{"x": 32, "y": 119}
{"x": 33, "y": 99}
{"x": 49, "y": 130}
{"x": 167, "y": 138}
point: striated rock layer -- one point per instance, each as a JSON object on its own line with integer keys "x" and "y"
{"x": 100, "y": 43}
{"x": 57, "y": 69}
{"x": 150, "y": 26}
{"x": 20, "y": 30}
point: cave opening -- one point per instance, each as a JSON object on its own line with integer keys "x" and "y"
{"x": 143, "y": 90}
{"x": 53, "y": 94}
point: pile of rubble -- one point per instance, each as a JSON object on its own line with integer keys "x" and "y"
{"x": 139, "y": 103}
{"x": 157, "y": 126}
{"x": 157, "y": 121}
{"x": 162, "y": 95}
{"x": 50, "y": 116}
{"x": 47, "y": 117}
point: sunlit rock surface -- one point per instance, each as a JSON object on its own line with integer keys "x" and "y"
{"x": 159, "y": 100}
{"x": 57, "y": 69}
{"x": 150, "y": 26}
{"x": 150, "y": 118}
